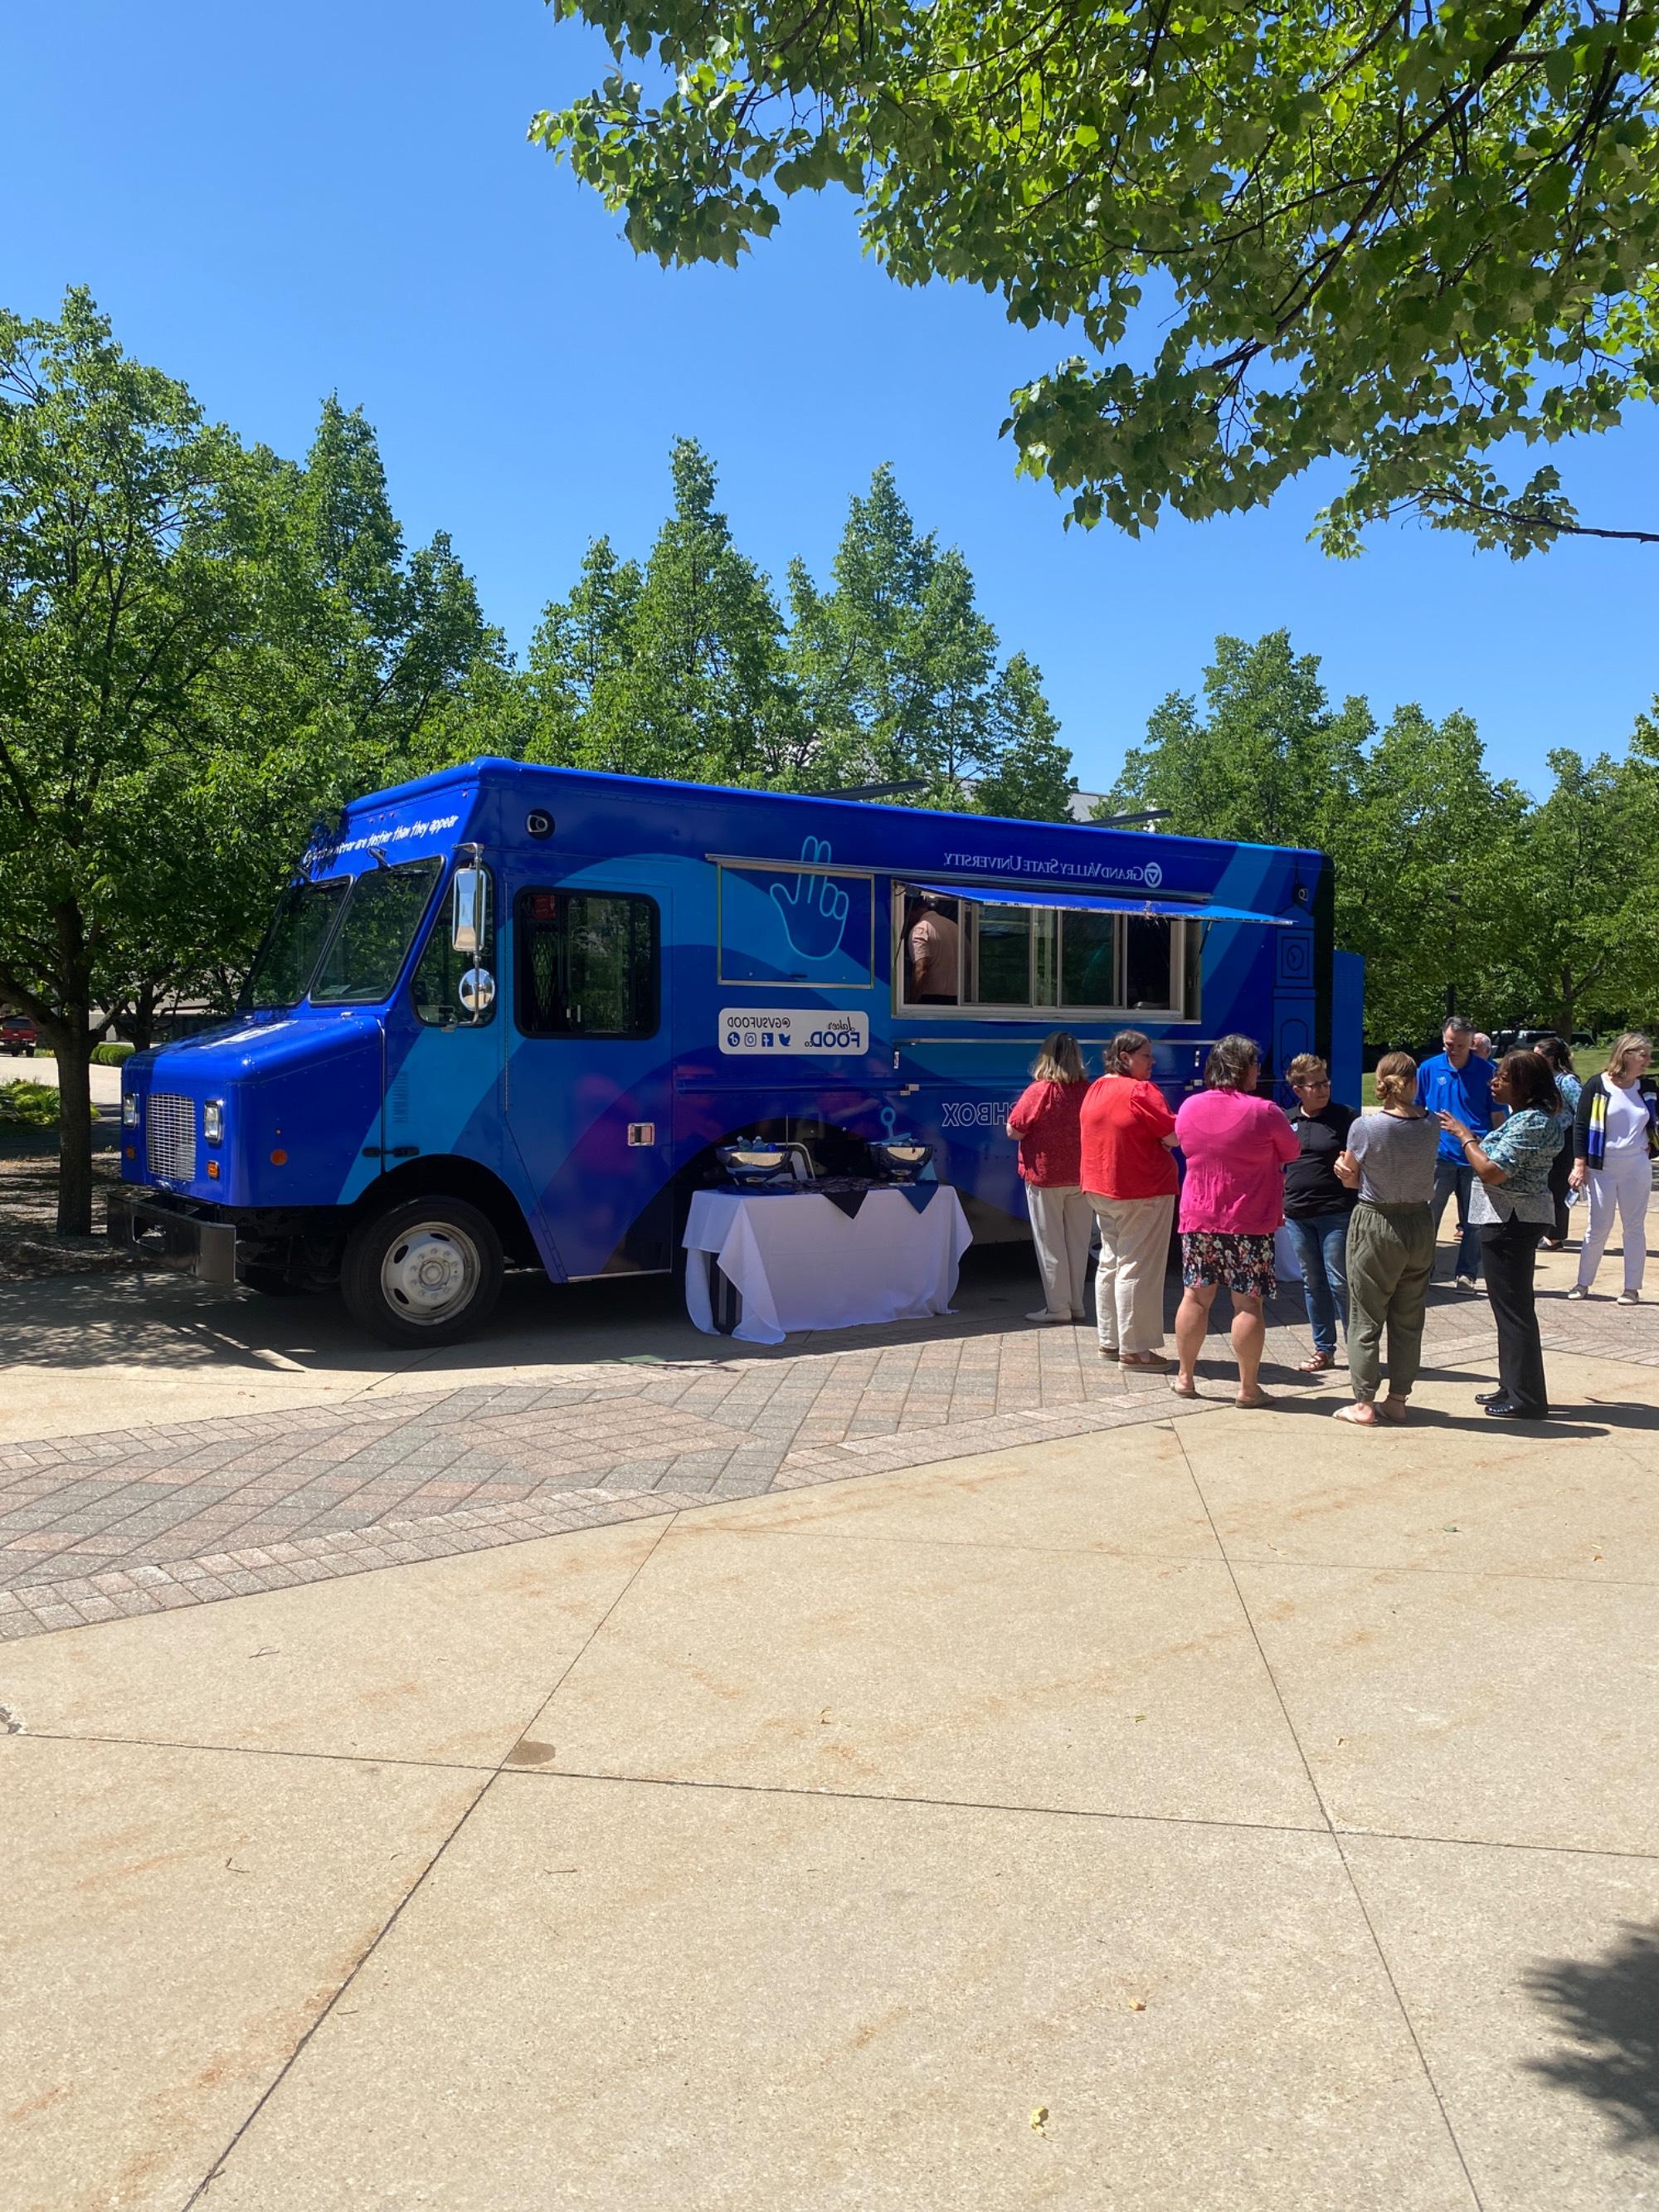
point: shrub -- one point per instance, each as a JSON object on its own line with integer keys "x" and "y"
{"x": 112, "y": 1056}
{"x": 29, "y": 1105}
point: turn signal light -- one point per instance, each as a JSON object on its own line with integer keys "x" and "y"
{"x": 279, "y": 1159}
{"x": 213, "y": 1170}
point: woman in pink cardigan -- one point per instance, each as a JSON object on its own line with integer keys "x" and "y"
{"x": 1237, "y": 1147}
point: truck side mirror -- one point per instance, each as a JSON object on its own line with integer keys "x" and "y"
{"x": 470, "y": 910}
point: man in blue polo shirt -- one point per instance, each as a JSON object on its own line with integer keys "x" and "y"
{"x": 1457, "y": 1081}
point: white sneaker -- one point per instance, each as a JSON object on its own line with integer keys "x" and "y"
{"x": 1628, "y": 1299}
{"x": 1468, "y": 1283}
{"x": 1578, "y": 1290}
{"x": 1043, "y": 1313}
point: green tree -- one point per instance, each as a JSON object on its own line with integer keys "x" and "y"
{"x": 1030, "y": 776}
{"x": 1587, "y": 874}
{"x": 202, "y": 647}
{"x": 130, "y": 536}
{"x": 384, "y": 639}
{"x": 898, "y": 674}
{"x": 860, "y": 652}
{"x": 674, "y": 671}
{"x": 1426, "y": 877}
{"x": 1267, "y": 760}
{"x": 1423, "y": 839}
{"x": 580, "y": 644}
{"x": 1398, "y": 237}
{"x": 686, "y": 667}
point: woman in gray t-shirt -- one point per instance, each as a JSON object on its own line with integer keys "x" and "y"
{"x": 1390, "y": 1162}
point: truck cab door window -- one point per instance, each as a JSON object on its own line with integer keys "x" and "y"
{"x": 437, "y": 984}
{"x": 588, "y": 964}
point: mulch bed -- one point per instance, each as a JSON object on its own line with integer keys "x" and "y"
{"x": 30, "y": 1247}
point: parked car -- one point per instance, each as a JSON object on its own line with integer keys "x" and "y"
{"x": 17, "y": 1035}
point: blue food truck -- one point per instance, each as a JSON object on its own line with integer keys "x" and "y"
{"x": 505, "y": 1016}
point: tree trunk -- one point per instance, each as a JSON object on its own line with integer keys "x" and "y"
{"x": 142, "y": 1023}
{"x": 72, "y": 1041}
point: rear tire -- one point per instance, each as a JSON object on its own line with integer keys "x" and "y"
{"x": 427, "y": 1273}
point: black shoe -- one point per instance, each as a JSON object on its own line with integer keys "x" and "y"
{"x": 1489, "y": 1398}
{"x": 1502, "y": 1410}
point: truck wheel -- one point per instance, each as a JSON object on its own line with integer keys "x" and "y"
{"x": 427, "y": 1273}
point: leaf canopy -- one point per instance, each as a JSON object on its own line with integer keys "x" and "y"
{"x": 1397, "y": 235}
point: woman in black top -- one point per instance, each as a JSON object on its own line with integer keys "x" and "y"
{"x": 1317, "y": 1206}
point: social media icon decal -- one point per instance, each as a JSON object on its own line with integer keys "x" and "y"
{"x": 828, "y": 1035}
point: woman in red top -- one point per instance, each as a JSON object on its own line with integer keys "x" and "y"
{"x": 1045, "y": 1121}
{"x": 1130, "y": 1180}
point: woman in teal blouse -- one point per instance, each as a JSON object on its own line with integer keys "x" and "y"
{"x": 1512, "y": 1207}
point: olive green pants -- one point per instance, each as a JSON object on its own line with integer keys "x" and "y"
{"x": 1390, "y": 1266}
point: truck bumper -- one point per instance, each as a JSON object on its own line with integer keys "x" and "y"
{"x": 174, "y": 1235}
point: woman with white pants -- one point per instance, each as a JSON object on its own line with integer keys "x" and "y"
{"x": 1045, "y": 1121}
{"x": 1613, "y": 1161}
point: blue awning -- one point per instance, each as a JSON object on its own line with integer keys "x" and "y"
{"x": 1102, "y": 902}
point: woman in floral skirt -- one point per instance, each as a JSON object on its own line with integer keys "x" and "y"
{"x": 1237, "y": 1147}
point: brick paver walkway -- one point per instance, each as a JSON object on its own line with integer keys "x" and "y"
{"x": 94, "y": 1527}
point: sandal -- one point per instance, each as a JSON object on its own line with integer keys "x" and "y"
{"x": 1183, "y": 1389}
{"x": 1259, "y": 1404}
{"x": 1153, "y": 1361}
{"x": 1349, "y": 1414}
{"x": 1318, "y": 1364}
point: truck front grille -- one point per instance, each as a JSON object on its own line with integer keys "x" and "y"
{"x": 170, "y": 1136}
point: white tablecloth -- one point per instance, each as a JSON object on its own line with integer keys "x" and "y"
{"x": 800, "y": 1262}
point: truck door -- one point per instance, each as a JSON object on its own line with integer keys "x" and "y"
{"x": 589, "y": 1075}
{"x": 445, "y": 1035}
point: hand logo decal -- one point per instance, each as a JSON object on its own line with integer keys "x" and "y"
{"x": 815, "y": 911}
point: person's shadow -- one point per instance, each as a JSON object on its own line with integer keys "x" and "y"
{"x": 1608, "y": 2008}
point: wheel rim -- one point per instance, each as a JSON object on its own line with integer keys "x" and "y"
{"x": 430, "y": 1273}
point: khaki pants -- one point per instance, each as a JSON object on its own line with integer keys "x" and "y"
{"x": 1390, "y": 1267}
{"x": 1134, "y": 1253}
{"x": 1061, "y": 1225}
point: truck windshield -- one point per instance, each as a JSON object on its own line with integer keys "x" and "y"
{"x": 366, "y": 951}
{"x": 304, "y": 917}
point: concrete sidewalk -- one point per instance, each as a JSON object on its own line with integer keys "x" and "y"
{"x": 1209, "y": 1811}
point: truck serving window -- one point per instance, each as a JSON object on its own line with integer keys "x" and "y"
{"x": 587, "y": 964}
{"x": 368, "y": 949}
{"x": 1018, "y": 959}
{"x": 305, "y": 915}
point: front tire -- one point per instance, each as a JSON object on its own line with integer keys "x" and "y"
{"x": 428, "y": 1273}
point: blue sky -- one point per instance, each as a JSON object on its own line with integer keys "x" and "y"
{"x": 275, "y": 203}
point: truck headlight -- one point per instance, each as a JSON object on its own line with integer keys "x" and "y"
{"x": 213, "y": 1120}
{"x": 130, "y": 1109}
